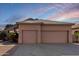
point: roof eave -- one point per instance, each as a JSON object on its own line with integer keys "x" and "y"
{"x": 45, "y": 23}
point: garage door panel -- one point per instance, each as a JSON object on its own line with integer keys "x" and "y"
{"x": 54, "y": 36}
{"x": 29, "y": 36}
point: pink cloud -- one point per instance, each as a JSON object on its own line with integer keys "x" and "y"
{"x": 57, "y": 15}
{"x": 68, "y": 14}
{"x": 42, "y": 10}
{"x": 63, "y": 9}
{"x": 47, "y": 8}
{"x": 73, "y": 14}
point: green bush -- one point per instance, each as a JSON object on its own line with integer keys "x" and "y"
{"x": 12, "y": 37}
{"x": 76, "y": 34}
{"x": 3, "y": 35}
{"x": 9, "y": 36}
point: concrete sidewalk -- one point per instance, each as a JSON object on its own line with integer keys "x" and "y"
{"x": 5, "y": 49}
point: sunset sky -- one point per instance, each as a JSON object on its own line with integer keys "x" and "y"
{"x": 11, "y": 13}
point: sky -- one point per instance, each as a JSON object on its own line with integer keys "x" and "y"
{"x": 12, "y": 12}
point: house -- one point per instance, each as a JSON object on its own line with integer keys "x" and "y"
{"x": 12, "y": 28}
{"x": 75, "y": 28}
{"x": 44, "y": 31}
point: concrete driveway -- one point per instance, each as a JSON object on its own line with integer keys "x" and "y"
{"x": 47, "y": 50}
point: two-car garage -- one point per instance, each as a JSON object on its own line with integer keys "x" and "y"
{"x": 47, "y": 36}
{"x": 41, "y": 32}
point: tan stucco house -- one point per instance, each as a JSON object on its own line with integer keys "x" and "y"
{"x": 44, "y": 31}
{"x": 75, "y": 28}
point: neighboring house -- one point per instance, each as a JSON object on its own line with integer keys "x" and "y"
{"x": 75, "y": 28}
{"x": 13, "y": 28}
{"x": 44, "y": 31}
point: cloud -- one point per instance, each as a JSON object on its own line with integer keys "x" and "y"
{"x": 48, "y": 7}
{"x": 65, "y": 9}
{"x": 12, "y": 19}
{"x": 42, "y": 10}
{"x": 58, "y": 7}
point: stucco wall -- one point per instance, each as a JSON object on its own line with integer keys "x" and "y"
{"x": 55, "y": 27}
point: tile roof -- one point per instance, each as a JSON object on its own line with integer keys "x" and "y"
{"x": 76, "y": 26}
{"x": 43, "y": 21}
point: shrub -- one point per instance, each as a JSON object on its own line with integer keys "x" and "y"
{"x": 9, "y": 36}
{"x": 12, "y": 37}
{"x": 76, "y": 33}
{"x": 3, "y": 35}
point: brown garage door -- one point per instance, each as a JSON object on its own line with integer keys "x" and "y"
{"x": 54, "y": 37}
{"x": 29, "y": 36}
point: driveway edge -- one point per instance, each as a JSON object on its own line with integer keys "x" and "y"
{"x": 11, "y": 51}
